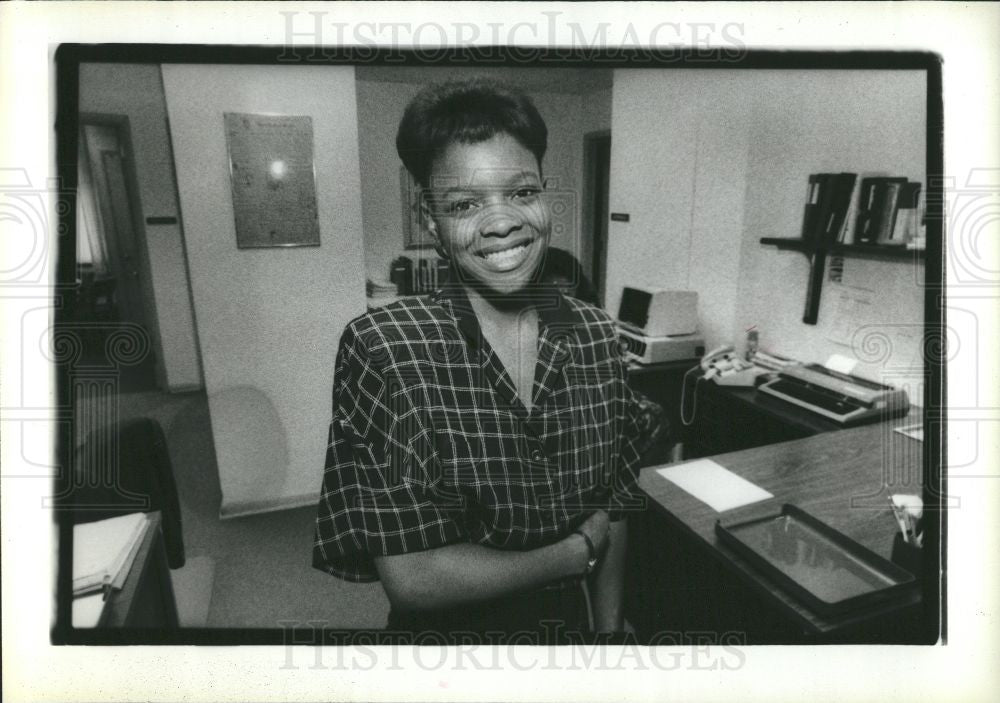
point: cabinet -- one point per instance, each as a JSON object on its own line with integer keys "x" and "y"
{"x": 729, "y": 419}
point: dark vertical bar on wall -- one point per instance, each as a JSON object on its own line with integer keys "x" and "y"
{"x": 67, "y": 96}
{"x": 935, "y": 370}
{"x": 817, "y": 266}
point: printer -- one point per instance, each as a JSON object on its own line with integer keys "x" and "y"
{"x": 841, "y": 397}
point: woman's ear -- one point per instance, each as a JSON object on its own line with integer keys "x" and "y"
{"x": 438, "y": 246}
{"x": 428, "y": 223}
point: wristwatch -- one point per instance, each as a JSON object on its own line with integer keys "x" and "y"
{"x": 592, "y": 559}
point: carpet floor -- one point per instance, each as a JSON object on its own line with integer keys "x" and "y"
{"x": 258, "y": 567}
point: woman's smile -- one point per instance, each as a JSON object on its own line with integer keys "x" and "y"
{"x": 508, "y": 256}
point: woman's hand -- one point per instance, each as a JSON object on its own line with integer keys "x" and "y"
{"x": 597, "y": 527}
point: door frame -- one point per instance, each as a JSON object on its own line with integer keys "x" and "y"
{"x": 596, "y": 269}
{"x": 123, "y": 127}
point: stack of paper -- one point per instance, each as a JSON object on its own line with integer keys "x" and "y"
{"x": 103, "y": 551}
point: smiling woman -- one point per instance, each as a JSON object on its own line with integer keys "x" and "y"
{"x": 481, "y": 453}
{"x": 492, "y": 224}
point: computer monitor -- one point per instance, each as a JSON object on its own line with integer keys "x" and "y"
{"x": 658, "y": 312}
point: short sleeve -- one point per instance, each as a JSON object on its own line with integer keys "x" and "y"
{"x": 629, "y": 432}
{"x": 378, "y": 496}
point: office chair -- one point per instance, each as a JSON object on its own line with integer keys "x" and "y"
{"x": 144, "y": 481}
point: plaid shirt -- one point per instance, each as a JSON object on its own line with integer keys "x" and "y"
{"x": 430, "y": 445}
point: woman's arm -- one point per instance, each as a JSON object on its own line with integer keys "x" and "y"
{"x": 462, "y": 573}
{"x": 609, "y": 579}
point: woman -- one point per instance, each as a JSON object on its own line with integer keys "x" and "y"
{"x": 481, "y": 452}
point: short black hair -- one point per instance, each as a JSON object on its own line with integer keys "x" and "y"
{"x": 467, "y": 112}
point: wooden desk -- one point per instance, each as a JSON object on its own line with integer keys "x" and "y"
{"x": 730, "y": 418}
{"x": 838, "y": 477}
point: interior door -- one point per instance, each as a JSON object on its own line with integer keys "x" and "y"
{"x": 107, "y": 156}
{"x": 598, "y": 174}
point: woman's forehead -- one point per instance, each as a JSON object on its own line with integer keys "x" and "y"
{"x": 498, "y": 161}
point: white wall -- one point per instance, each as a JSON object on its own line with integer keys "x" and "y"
{"x": 135, "y": 91}
{"x": 268, "y": 319}
{"x": 863, "y": 122}
{"x": 708, "y": 162}
{"x": 380, "y": 107}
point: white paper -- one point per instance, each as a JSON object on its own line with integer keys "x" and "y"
{"x": 840, "y": 363}
{"x": 854, "y": 310}
{"x": 87, "y": 610}
{"x": 913, "y": 431}
{"x": 102, "y": 549}
{"x": 714, "y": 485}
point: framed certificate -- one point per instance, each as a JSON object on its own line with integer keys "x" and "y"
{"x": 273, "y": 183}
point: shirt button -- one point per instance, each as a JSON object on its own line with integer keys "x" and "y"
{"x": 537, "y": 455}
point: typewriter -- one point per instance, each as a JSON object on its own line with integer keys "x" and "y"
{"x": 841, "y": 397}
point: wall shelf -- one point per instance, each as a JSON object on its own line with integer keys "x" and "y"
{"x": 817, "y": 253}
{"x": 855, "y": 251}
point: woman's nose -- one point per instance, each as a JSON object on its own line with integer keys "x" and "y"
{"x": 500, "y": 220}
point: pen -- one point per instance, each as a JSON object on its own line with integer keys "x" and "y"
{"x": 899, "y": 520}
{"x": 908, "y": 519}
{"x": 106, "y": 587}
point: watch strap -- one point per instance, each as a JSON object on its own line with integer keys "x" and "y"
{"x": 591, "y": 551}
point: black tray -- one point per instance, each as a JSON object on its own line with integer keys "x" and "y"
{"x": 825, "y": 569}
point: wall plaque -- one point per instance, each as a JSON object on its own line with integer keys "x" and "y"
{"x": 273, "y": 183}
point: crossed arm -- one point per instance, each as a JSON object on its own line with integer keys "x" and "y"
{"x": 462, "y": 573}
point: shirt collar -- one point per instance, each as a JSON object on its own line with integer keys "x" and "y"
{"x": 553, "y": 309}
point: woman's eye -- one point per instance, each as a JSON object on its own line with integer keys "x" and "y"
{"x": 526, "y": 192}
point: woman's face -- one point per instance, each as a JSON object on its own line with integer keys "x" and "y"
{"x": 486, "y": 209}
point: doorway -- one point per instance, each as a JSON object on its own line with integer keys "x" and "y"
{"x": 596, "y": 183}
{"x": 114, "y": 284}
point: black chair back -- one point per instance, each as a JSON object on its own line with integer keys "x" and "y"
{"x": 128, "y": 470}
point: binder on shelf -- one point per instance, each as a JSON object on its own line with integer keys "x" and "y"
{"x": 817, "y": 204}
{"x": 840, "y": 203}
{"x": 817, "y": 197}
{"x": 907, "y": 223}
{"x": 827, "y": 203}
{"x": 887, "y": 215}
{"x": 873, "y": 208}
{"x": 846, "y": 233}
